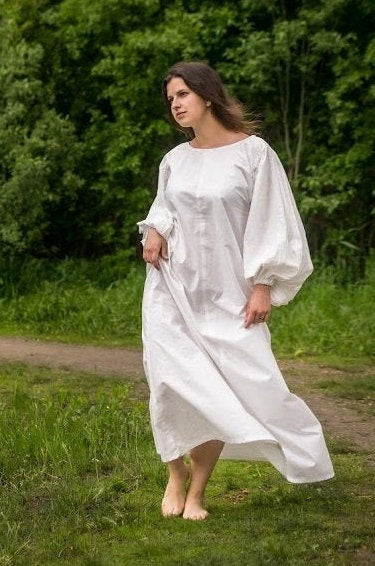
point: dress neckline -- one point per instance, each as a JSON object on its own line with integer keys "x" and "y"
{"x": 219, "y": 146}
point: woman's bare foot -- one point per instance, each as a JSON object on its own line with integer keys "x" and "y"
{"x": 202, "y": 460}
{"x": 194, "y": 509}
{"x": 173, "y": 502}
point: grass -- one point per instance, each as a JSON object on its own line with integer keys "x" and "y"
{"x": 327, "y": 319}
{"x": 100, "y": 302}
{"x": 81, "y": 484}
{"x": 78, "y": 311}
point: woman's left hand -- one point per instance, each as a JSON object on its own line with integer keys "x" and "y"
{"x": 258, "y": 307}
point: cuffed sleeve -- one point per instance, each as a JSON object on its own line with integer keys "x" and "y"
{"x": 159, "y": 217}
{"x": 275, "y": 251}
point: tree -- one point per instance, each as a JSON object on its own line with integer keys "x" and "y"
{"x": 38, "y": 152}
{"x": 309, "y": 68}
{"x": 94, "y": 70}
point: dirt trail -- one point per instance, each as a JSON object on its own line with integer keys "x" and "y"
{"x": 93, "y": 359}
{"x": 339, "y": 417}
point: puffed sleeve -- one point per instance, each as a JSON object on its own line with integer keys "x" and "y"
{"x": 275, "y": 248}
{"x": 159, "y": 217}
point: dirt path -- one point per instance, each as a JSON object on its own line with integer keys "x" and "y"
{"x": 339, "y": 417}
{"x": 93, "y": 359}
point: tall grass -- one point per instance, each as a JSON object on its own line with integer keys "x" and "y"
{"x": 100, "y": 302}
{"x": 328, "y": 319}
{"x": 78, "y": 308}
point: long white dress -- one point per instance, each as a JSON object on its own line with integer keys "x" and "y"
{"x": 231, "y": 221}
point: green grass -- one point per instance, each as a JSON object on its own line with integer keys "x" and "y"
{"x": 80, "y": 484}
{"x": 327, "y": 319}
{"x": 100, "y": 302}
{"x": 78, "y": 311}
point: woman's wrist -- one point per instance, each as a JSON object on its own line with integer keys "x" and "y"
{"x": 262, "y": 286}
{"x": 154, "y": 232}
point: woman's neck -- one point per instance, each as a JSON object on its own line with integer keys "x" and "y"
{"x": 214, "y": 136}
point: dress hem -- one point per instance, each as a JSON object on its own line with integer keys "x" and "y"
{"x": 291, "y": 479}
{"x": 184, "y": 451}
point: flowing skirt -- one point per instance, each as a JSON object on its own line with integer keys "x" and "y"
{"x": 210, "y": 378}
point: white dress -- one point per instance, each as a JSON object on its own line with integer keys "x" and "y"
{"x": 231, "y": 221}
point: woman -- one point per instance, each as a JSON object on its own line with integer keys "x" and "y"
{"x": 223, "y": 241}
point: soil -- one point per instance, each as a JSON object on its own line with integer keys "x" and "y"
{"x": 344, "y": 419}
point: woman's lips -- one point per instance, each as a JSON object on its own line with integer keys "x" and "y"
{"x": 179, "y": 114}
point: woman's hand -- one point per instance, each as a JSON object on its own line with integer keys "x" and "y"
{"x": 258, "y": 307}
{"x": 155, "y": 247}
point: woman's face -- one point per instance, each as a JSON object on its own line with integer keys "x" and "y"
{"x": 187, "y": 107}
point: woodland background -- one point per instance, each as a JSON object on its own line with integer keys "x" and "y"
{"x": 82, "y": 122}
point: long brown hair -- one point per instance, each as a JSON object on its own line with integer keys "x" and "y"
{"x": 204, "y": 81}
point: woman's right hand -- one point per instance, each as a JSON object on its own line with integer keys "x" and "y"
{"x": 155, "y": 247}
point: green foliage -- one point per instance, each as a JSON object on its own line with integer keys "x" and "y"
{"x": 22, "y": 277}
{"x": 311, "y": 75}
{"x": 38, "y": 153}
{"x": 83, "y": 125}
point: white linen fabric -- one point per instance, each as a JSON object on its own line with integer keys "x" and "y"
{"x": 231, "y": 221}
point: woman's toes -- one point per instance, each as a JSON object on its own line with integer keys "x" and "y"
{"x": 196, "y": 516}
{"x": 172, "y": 504}
{"x": 194, "y": 512}
{"x": 171, "y": 509}
{"x": 200, "y": 516}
